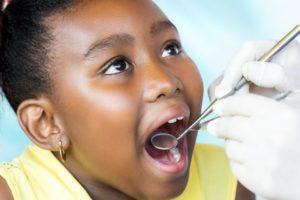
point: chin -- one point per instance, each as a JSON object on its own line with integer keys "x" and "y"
{"x": 170, "y": 189}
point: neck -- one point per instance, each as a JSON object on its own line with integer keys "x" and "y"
{"x": 96, "y": 189}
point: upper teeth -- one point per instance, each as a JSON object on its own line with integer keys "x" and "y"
{"x": 172, "y": 121}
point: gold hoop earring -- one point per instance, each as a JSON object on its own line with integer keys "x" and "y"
{"x": 62, "y": 152}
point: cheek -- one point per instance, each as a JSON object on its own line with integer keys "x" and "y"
{"x": 100, "y": 121}
{"x": 193, "y": 86}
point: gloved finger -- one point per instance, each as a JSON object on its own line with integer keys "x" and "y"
{"x": 239, "y": 171}
{"x": 248, "y": 52}
{"x": 246, "y": 105}
{"x": 243, "y": 90}
{"x": 212, "y": 88}
{"x": 269, "y": 75}
{"x": 293, "y": 99}
{"x": 234, "y": 151}
{"x": 228, "y": 127}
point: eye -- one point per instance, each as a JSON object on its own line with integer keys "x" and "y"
{"x": 171, "y": 49}
{"x": 116, "y": 66}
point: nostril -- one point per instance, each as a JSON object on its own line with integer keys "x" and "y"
{"x": 160, "y": 96}
{"x": 177, "y": 91}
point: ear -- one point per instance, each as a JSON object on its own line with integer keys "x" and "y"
{"x": 40, "y": 123}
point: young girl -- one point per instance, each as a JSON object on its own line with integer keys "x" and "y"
{"x": 91, "y": 81}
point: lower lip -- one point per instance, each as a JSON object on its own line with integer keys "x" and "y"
{"x": 174, "y": 167}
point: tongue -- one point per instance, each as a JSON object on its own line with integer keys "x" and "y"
{"x": 163, "y": 156}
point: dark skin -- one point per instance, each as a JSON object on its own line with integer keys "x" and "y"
{"x": 115, "y": 72}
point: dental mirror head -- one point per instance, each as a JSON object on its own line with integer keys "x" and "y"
{"x": 164, "y": 141}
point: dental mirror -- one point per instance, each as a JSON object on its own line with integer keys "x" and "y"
{"x": 166, "y": 141}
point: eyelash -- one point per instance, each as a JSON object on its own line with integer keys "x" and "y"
{"x": 116, "y": 61}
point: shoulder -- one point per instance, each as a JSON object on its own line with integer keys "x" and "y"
{"x": 212, "y": 160}
{"x": 215, "y": 162}
{"x": 209, "y": 151}
{"x": 208, "y": 147}
{"x": 11, "y": 178}
{"x": 5, "y": 192}
{"x": 212, "y": 167}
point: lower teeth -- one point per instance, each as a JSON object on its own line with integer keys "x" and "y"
{"x": 176, "y": 154}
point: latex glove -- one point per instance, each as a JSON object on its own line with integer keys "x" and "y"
{"x": 262, "y": 139}
{"x": 281, "y": 74}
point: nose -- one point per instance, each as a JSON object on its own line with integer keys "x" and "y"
{"x": 161, "y": 82}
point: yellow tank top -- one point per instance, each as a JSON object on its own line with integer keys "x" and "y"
{"x": 37, "y": 175}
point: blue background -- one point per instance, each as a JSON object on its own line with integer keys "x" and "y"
{"x": 211, "y": 31}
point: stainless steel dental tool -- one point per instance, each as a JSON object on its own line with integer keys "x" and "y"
{"x": 166, "y": 141}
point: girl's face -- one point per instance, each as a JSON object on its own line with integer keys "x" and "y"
{"x": 120, "y": 75}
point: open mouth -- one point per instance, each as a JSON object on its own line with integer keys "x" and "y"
{"x": 169, "y": 157}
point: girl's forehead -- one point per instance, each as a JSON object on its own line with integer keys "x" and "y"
{"x": 97, "y": 19}
{"x": 108, "y": 15}
{"x": 117, "y": 8}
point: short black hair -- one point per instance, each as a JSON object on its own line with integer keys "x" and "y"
{"x": 25, "y": 48}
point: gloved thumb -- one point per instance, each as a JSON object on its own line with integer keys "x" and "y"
{"x": 248, "y": 52}
{"x": 269, "y": 75}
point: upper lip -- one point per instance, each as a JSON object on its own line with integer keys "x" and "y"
{"x": 166, "y": 114}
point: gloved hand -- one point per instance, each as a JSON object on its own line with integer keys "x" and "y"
{"x": 262, "y": 140}
{"x": 262, "y": 134}
{"x": 281, "y": 74}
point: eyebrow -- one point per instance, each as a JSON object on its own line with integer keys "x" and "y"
{"x": 108, "y": 42}
{"x": 162, "y": 26}
{"x": 124, "y": 38}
